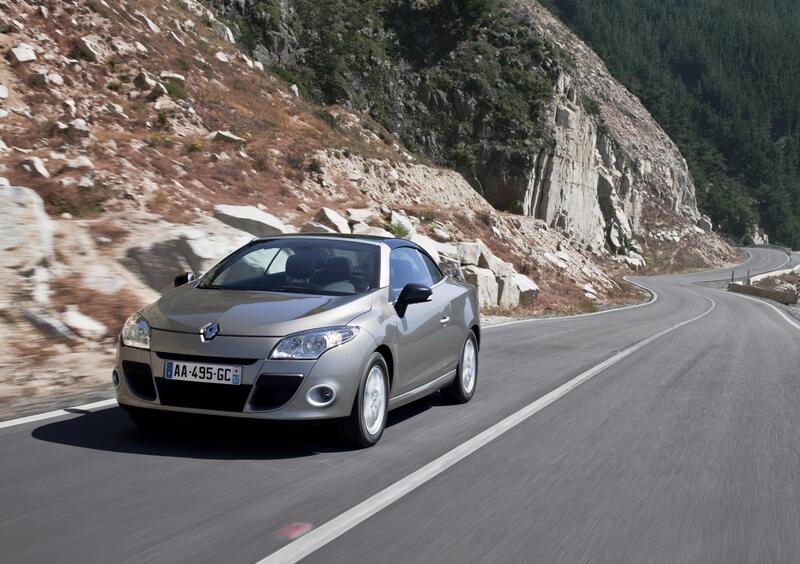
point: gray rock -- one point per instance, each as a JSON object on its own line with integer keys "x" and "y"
{"x": 221, "y": 57}
{"x": 79, "y": 162}
{"x": 316, "y": 227}
{"x": 705, "y": 223}
{"x": 252, "y": 220}
{"x": 401, "y": 219}
{"x": 78, "y": 128}
{"x": 450, "y": 267}
{"x": 469, "y": 253}
{"x": 517, "y": 289}
{"x": 223, "y": 31}
{"x": 485, "y": 282}
{"x": 35, "y": 167}
{"x": 157, "y": 92}
{"x": 225, "y": 136}
{"x": 91, "y": 48}
{"x": 151, "y": 25}
{"x": 83, "y": 325}
{"x": 294, "y": 90}
{"x": 143, "y": 81}
{"x": 3, "y": 92}
{"x": 48, "y": 325}
{"x": 167, "y": 75}
{"x": 22, "y": 53}
{"x": 333, "y": 219}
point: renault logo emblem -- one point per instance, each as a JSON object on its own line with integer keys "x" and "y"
{"x": 209, "y": 332}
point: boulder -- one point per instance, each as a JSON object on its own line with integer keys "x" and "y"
{"x": 493, "y": 263}
{"x": 225, "y": 136}
{"x": 83, "y": 325}
{"x": 485, "y": 282}
{"x": 362, "y": 229}
{"x": 173, "y": 76}
{"x": 223, "y": 31}
{"x": 35, "y": 167}
{"x": 332, "y": 219}
{"x": 3, "y": 92}
{"x": 705, "y": 223}
{"x": 362, "y": 215}
{"x": 79, "y": 163}
{"x": 27, "y": 240}
{"x": 469, "y": 253}
{"x": 157, "y": 92}
{"x": 193, "y": 249}
{"x": 143, "y": 81}
{"x": 252, "y": 220}
{"x": 78, "y": 128}
{"x": 151, "y": 25}
{"x": 401, "y": 219}
{"x": 22, "y": 53}
{"x": 221, "y": 57}
{"x": 635, "y": 261}
{"x": 434, "y": 248}
{"x": 450, "y": 267}
{"x": 91, "y": 48}
{"x": 316, "y": 227}
{"x": 48, "y": 325}
{"x": 294, "y": 90}
{"x": 517, "y": 289}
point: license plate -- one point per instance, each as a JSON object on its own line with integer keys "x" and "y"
{"x": 198, "y": 372}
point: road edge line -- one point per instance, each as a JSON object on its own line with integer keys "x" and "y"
{"x": 349, "y": 519}
{"x": 791, "y": 321}
{"x": 94, "y": 406}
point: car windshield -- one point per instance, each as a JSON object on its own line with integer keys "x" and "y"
{"x": 300, "y": 266}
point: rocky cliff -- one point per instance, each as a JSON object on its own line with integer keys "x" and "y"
{"x": 511, "y": 99}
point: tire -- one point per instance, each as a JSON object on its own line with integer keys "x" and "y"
{"x": 465, "y": 383}
{"x": 145, "y": 419}
{"x": 367, "y": 420}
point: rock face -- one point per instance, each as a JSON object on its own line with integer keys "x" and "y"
{"x": 594, "y": 179}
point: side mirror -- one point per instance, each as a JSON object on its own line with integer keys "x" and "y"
{"x": 184, "y": 278}
{"x": 411, "y": 294}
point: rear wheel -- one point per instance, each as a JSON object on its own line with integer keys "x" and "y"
{"x": 463, "y": 387}
{"x": 367, "y": 420}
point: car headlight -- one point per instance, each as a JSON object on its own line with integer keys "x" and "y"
{"x": 136, "y": 332}
{"x": 309, "y": 345}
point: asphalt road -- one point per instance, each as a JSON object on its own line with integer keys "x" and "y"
{"x": 684, "y": 448}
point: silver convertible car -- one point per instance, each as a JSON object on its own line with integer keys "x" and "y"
{"x": 304, "y": 327}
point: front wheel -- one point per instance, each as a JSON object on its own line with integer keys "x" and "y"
{"x": 463, "y": 387}
{"x": 365, "y": 425}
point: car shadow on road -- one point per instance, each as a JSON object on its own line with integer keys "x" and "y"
{"x": 217, "y": 438}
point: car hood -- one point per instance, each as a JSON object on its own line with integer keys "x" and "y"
{"x": 252, "y": 314}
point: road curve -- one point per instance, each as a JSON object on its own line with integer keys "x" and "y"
{"x": 685, "y": 449}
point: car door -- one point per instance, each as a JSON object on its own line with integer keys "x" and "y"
{"x": 421, "y": 340}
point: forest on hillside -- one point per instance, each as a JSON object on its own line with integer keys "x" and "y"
{"x": 722, "y": 77}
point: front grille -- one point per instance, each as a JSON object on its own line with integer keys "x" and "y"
{"x": 139, "y": 378}
{"x": 274, "y": 390}
{"x": 200, "y": 395}
{"x": 206, "y": 359}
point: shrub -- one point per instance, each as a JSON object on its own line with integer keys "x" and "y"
{"x": 397, "y": 230}
{"x": 175, "y": 89}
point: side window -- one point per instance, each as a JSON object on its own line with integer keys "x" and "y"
{"x": 407, "y": 266}
{"x": 436, "y": 274}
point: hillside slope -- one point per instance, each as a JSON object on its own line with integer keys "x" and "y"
{"x": 138, "y": 140}
{"x": 723, "y": 79}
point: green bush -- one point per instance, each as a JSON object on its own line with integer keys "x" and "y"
{"x": 397, "y": 230}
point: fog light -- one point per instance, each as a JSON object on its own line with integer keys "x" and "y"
{"x": 115, "y": 378}
{"x": 321, "y": 396}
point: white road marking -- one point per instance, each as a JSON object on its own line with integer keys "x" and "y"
{"x": 339, "y": 525}
{"x": 788, "y": 319}
{"x": 94, "y": 406}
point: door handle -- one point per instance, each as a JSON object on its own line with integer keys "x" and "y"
{"x": 444, "y": 320}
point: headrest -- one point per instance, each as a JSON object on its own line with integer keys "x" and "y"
{"x": 337, "y": 268}
{"x": 299, "y": 266}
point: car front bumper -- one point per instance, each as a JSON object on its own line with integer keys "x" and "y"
{"x": 269, "y": 389}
